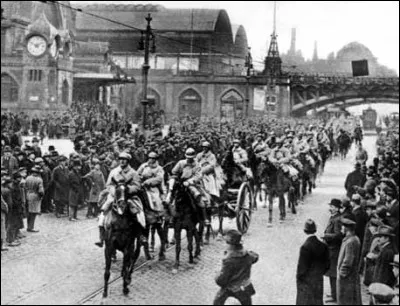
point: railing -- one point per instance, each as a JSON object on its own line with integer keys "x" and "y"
{"x": 341, "y": 80}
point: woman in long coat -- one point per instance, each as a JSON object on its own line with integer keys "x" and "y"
{"x": 348, "y": 278}
{"x": 34, "y": 195}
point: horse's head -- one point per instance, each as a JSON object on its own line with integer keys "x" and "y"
{"x": 120, "y": 203}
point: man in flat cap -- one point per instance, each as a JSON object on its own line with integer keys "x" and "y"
{"x": 313, "y": 263}
{"x": 383, "y": 272}
{"x": 235, "y": 276}
{"x": 333, "y": 237}
{"x": 348, "y": 278}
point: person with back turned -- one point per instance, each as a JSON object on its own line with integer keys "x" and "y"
{"x": 313, "y": 263}
{"x": 234, "y": 278}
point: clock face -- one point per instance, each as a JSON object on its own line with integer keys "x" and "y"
{"x": 37, "y": 45}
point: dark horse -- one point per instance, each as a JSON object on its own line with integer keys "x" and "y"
{"x": 186, "y": 217}
{"x": 344, "y": 143}
{"x": 277, "y": 185}
{"x": 123, "y": 235}
{"x": 358, "y": 135}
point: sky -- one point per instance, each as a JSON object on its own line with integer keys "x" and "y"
{"x": 332, "y": 24}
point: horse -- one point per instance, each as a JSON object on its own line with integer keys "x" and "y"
{"x": 306, "y": 175}
{"x": 123, "y": 234}
{"x": 186, "y": 217}
{"x": 278, "y": 184}
{"x": 344, "y": 142}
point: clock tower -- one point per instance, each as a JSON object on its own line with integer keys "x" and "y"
{"x": 47, "y": 72}
{"x": 36, "y": 56}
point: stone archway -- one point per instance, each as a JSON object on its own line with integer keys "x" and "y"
{"x": 232, "y": 106}
{"x": 190, "y": 104}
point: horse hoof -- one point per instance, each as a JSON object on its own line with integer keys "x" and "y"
{"x": 191, "y": 262}
{"x": 161, "y": 258}
{"x": 126, "y": 291}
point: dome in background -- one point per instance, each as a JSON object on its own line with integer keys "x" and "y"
{"x": 355, "y": 51}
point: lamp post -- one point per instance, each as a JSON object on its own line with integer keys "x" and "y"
{"x": 144, "y": 45}
{"x": 249, "y": 65}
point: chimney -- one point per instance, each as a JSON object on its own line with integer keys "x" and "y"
{"x": 292, "y": 50}
{"x": 315, "y": 54}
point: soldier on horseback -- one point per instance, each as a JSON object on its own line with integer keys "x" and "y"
{"x": 240, "y": 158}
{"x": 123, "y": 173}
{"x": 207, "y": 162}
{"x": 189, "y": 171}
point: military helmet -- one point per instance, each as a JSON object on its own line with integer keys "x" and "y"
{"x": 153, "y": 155}
{"x": 125, "y": 156}
{"x": 206, "y": 144}
{"x": 190, "y": 153}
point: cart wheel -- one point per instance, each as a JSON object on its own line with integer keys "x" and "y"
{"x": 244, "y": 208}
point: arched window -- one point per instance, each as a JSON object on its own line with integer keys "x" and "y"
{"x": 190, "y": 104}
{"x": 65, "y": 93}
{"x": 232, "y": 104}
{"x": 9, "y": 89}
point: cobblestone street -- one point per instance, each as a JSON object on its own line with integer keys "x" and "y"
{"x": 61, "y": 265}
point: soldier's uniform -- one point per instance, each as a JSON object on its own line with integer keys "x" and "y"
{"x": 207, "y": 162}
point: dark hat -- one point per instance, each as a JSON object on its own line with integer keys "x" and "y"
{"x": 52, "y": 148}
{"x": 362, "y": 192}
{"x": 36, "y": 169}
{"x": 381, "y": 212}
{"x": 358, "y": 166}
{"x": 76, "y": 163}
{"x": 85, "y": 150}
{"x": 385, "y": 231}
{"x": 54, "y": 153}
{"x": 348, "y": 223}
{"x": 7, "y": 149}
{"x": 35, "y": 139}
{"x": 233, "y": 237}
{"x": 62, "y": 158}
{"x": 336, "y": 202}
{"x": 310, "y": 227}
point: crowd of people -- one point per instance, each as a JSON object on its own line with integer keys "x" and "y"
{"x": 361, "y": 241}
{"x": 108, "y": 148}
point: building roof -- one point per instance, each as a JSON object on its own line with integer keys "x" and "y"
{"x": 204, "y": 20}
{"x": 353, "y": 51}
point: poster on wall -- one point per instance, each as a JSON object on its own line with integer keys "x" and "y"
{"x": 259, "y": 99}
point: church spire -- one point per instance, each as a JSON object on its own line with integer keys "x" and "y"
{"x": 273, "y": 62}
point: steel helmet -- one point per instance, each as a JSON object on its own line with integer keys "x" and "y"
{"x": 153, "y": 155}
{"x": 125, "y": 155}
{"x": 206, "y": 144}
{"x": 190, "y": 153}
{"x": 236, "y": 140}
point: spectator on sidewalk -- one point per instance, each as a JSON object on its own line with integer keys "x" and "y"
{"x": 348, "y": 279}
{"x": 383, "y": 272}
{"x": 6, "y": 199}
{"x": 34, "y": 194}
{"x": 60, "y": 182}
{"x": 313, "y": 263}
{"x": 333, "y": 237}
{"x": 97, "y": 183}
{"x": 360, "y": 217}
{"x": 76, "y": 190}
{"x": 235, "y": 276}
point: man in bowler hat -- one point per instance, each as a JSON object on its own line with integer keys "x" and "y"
{"x": 234, "y": 278}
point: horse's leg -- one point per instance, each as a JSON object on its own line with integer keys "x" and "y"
{"x": 201, "y": 232}
{"x": 282, "y": 205}
{"x": 270, "y": 208}
{"x": 153, "y": 238}
{"x": 108, "y": 251}
{"x": 197, "y": 240}
{"x": 145, "y": 242}
{"x": 292, "y": 199}
{"x": 166, "y": 233}
{"x": 221, "y": 219}
{"x": 160, "y": 232}
{"x": 190, "y": 233}
{"x": 208, "y": 234}
{"x": 177, "y": 245}
{"x": 125, "y": 270}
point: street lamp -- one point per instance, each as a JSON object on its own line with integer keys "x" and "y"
{"x": 249, "y": 65}
{"x": 144, "y": 45}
